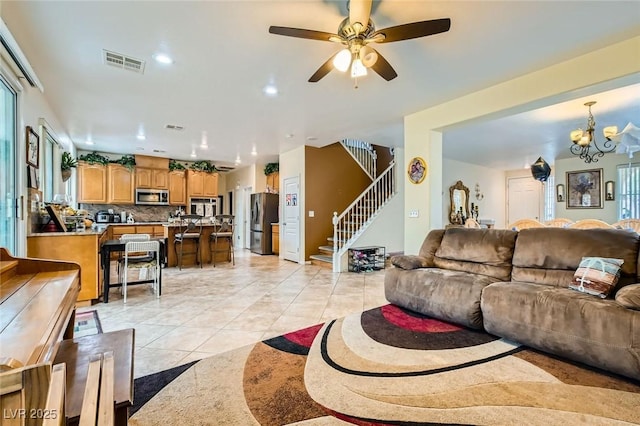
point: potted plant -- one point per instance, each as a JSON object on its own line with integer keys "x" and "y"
{"x": 66, "y": 164}
{"x": 128, "y": 161}
{"x": 203, "y": 166}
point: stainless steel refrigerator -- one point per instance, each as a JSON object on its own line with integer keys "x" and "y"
{"x": 264, "y": 212}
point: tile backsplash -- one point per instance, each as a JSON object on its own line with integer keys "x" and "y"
{"x": 140, "y": 213}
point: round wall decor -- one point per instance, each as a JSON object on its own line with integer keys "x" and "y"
{"x": 417, "y": 170}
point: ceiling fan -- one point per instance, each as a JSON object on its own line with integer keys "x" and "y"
{"x": 355, "y": 33}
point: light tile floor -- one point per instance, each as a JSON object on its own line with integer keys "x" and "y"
{"x": 203, "y": 312}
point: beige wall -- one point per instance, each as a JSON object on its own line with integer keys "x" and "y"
{"x": 423, "y": 130}
{"x": 609, "y": 164}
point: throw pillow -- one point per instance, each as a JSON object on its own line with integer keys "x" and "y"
{"x": 597, "y": 275}
{"x": 629, "y": 296}
{"x": 410, "y": 262}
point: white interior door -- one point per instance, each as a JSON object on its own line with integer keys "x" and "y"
{"x": 239, "y": 218}
{"x": 524, "y": 197}
{"x": 290, "y": 227}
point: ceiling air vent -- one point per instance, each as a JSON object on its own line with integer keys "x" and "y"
{"x": 124, "y": 62}
{"x": 174, "y": 127}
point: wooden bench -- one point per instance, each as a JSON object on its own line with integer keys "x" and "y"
{"x": 97, "y": 403}
{"x": 37, "y": 308}
{"x": 78, "y": 355}
{"x": 33, "y": 395}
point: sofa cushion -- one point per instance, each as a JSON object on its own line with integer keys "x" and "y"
{"x": 598, "y": 332}
{"x": 409, "y": 261}
{"x": 430, "y": 245}
{"x": 551, "y": 255}
{"x": 629, "y": 296}
{"x": 479, "y": 251}
{"x": 447, "y": 295}
{"x": 596, "y": 276}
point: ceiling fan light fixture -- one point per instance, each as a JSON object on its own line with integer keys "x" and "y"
{"x": 368, "y": 56}
{"x": 342, "y": 60}
{"x": 358, "y": 69}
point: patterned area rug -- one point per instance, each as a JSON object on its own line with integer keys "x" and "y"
{"x": 385, "y": 366}
{"x": 86, "y": 324}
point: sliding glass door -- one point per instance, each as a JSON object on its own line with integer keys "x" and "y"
{"x": 8, "y": 147}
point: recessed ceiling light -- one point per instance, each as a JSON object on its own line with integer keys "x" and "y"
{"x": 204, "y": 146}
{"x": 270, "y": 90}
{"x": 141, "y": 137}
{"x": 89, "y": 142}
{"x": 162, "y": 58}
{"x": 238, "y": 160}
{"x": 193, "y": 154}
{"x": 254, "y": 152}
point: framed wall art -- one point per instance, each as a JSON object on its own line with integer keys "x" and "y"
{"x": 33, "y": 147}
{"x": 584, "y": 189}
{"x": 417, "y": 170}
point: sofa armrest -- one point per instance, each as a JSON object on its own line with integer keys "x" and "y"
{"x": 409, "y": 262}
{"x": 629, "y": 296}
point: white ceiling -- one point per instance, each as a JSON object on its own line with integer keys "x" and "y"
{"x": 224, "y": 56}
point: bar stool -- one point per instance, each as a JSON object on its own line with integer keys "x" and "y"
{"x": 189, "y": 229}
{"x": 222, "y": 229}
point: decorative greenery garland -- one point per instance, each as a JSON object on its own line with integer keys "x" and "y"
{"x": 129, "y": 161}
{"x": 203, "y": 166}
{"x": 271, "y": 168}
{"x": 94, "y": 158}
{"x": 174, "y": 165}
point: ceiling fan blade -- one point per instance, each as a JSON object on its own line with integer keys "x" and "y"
{"x": 302, "y": 33}
{"x": 413, "y": 30}
{"x": 383, "y": 68}
{"x": 323, "y": 70}
{"x": 359, "y": 12}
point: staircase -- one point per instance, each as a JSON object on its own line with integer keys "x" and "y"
{"x": 351, "y": 223}
{"x": 363, "y": 153}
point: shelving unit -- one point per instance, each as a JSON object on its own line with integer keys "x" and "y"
{"x": 366, "y": 259}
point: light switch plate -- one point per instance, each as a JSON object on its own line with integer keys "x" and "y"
{"x": 312, "y": 213}
{"x": 414, "y": 213}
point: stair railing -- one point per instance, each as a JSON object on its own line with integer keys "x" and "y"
{"x": 353, "y": 220}
{"x": 363, "y": 153}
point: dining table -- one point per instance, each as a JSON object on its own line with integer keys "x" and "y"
{"x": 117, "y": 246}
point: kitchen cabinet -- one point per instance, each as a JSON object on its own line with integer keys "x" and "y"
{"x": 92, "y": 183}
{"x": 120, "y": 182}
{"x": 117, "y": 231}
{"x": 275, "y": 238}
{"x": 273, "y": 182}
{"x": 177, "y": 188}
{"x": 152, "y": 178}
{"x": 201, "y": 184}
{"x": 80, "y": 247}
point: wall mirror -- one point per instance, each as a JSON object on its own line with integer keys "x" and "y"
{"x": 459, "y": 197}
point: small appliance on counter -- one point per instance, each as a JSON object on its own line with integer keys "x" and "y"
{"x": 103, "y": 216}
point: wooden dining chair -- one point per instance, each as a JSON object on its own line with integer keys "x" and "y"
{"x": 558, "y": 222}
{"x": 632, "y": 224}
{"x": 521, "y": 224}
{"x": 591, "y": 224}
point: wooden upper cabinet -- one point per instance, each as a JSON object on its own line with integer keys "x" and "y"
{"x": 152, "y": 178}
{"x": 143, "y": 177}
{"x": 160, "y": 179}
{"x": 273, "y": 181}
{"x": 210, "y": 184}
{"x": 201, "y": 184}
{"x": 120, "y": 184}
{"x": 92, "y": 183}
{"x": 177, "y": 188}
{"x": 195, "y": 184}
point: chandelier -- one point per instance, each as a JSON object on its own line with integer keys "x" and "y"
{"x": 584, "y": 140}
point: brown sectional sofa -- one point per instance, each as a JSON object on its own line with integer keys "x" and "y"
{"x": 515, "y": 285}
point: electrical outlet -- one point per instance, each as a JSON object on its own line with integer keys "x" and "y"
{"x": 414, "y": 213}
{"x": 312, "y": 213}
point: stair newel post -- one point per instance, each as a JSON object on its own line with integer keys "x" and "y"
{"x": 335, "y": 233}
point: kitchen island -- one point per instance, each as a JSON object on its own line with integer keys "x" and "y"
{"x": 170, "y": 230}
{"x": 81, "y": 247}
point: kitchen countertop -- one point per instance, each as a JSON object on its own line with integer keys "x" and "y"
{"x": 66, "y": 234}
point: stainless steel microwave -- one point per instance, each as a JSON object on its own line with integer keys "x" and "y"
{"x": 156, "y": 197}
